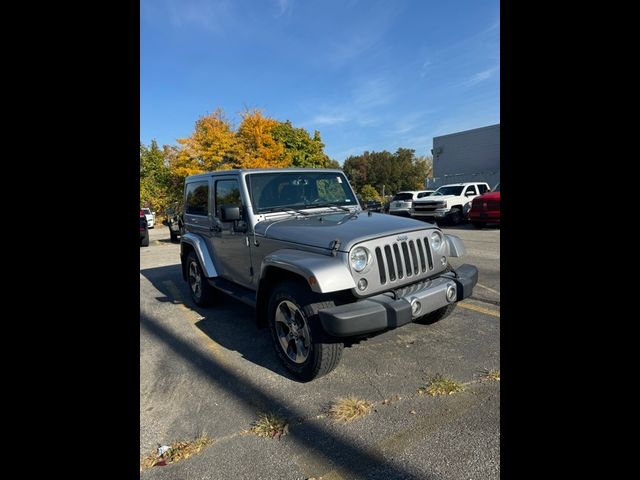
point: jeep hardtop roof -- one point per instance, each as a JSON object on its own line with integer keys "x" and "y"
{"x": 259, "y": 170}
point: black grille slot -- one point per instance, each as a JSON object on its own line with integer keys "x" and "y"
{"x": 407, "y": 260}
{"x": 396, "y": 250}
{"x": 383, "y": 276}
{"x": 421, "y": 252}
{"x": 428, "y": 249}
{"x": 392, "y": 270}
{"x": 414, "y": 257}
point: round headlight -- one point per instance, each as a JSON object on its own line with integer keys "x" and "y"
{"x": 436, "y": 240}
{"x": 359, "y": 258}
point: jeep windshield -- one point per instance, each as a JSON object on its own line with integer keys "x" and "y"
{"x": 283, "y": 191}
{"x": 453, "y": 190}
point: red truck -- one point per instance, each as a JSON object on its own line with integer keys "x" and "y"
{"x": 485, "y": 208}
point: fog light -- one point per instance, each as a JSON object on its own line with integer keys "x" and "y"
{"x": 362, "y": 284}
{"x": 443, "y": 261}
{"x": 415, "y": 307}
{"x": 451, "y": 293}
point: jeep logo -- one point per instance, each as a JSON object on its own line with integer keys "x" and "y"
{"x": 402, "y": 238}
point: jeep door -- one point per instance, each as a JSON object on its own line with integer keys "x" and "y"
{"x": 229, "y": 239}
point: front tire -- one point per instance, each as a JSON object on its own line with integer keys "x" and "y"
{"x": 144, "y": 241}
{"x": 174, "y": 236}
{"x": 202, "y": 293}
{"x": 478, "y": 224}
{"x": 298, "y": 338}
{"x": 456, "y": 216}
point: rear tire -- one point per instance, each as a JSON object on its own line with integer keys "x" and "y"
{"x": 201, "y": 292}
{"x": 478, "y": 224}
{"x": 298, "y": 338}
{"x": 174, "y": 236}
{"x": 144, "y": 242}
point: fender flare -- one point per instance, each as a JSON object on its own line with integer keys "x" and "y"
{"x": 323, "y": 273}
{"x": 456, "y": 247}
{"x": 200, "y": 247}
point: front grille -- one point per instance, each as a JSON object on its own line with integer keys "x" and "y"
{"x": 427, "y": 207}
{"x": 408, "y": 259}
{"x": 484, "y": 205}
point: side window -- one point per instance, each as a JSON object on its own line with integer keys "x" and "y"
{"x": 228, "y": 194}
{"x": 483, "y": 188}
{"x": 472, "y": 190}
{"x": 197, "y": 198}
{"x": 422, "y": 194}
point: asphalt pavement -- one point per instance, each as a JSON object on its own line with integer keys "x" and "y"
{"x": 212, "y": 371}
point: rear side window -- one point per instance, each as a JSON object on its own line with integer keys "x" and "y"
{"x": 403, "y": 196}
{"x": 424, "y": 194}
{"x": 482, "y": 188}
{"x": 197, "y": 201}
{"x": 472, "y": 190}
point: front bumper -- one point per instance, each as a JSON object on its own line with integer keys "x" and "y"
{"x": 382, "y": 312}
{"x": 438, "y": 213}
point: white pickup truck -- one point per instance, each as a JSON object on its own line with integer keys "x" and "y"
{"x": 450, "y": 202}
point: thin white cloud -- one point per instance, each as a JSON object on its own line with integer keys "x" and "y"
{"x": 423, "y": 69}
{"x": 284, "y": 6}
{"x": 481, "y": 76}
{"x": 327, "y": 119}
{"x": 373, "y": 92}
{"x": 211, "y": 15}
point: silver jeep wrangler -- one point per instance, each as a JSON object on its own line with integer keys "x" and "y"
{"x": 296, "y": 245}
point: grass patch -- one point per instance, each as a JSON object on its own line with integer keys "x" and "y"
{"x": 492, "y": 374}
{"x": 177, "y": 452}
{"x": 350, "y": 408}
{"x": 270, "y": 425}
{"x": 440, "y": 385}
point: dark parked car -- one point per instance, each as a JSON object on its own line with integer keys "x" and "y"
{"x": 175, "y": 224}
{"x": 371, "y": 205}
{"x": 144, "y": 230}
{"x": 486, "y": 208}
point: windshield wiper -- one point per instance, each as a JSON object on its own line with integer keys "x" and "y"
{"x": 283, "y": 209}
{"x": 325, "y": 205}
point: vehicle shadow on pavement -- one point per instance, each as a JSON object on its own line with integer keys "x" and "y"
{"x": 230, "y": 323}
{"x": 343, "y": 455}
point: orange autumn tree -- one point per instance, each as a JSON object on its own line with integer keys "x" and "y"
{"x": 212, "y": 146}
{"x": 259, "y": 149}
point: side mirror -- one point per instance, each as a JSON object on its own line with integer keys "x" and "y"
{"x": 229, "y": 213}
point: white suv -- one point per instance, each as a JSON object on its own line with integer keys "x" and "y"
{"x": 402, "y": 202}
{"x": 150, "y": 216}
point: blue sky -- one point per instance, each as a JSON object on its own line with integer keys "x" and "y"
{"x": 369, "y": 75}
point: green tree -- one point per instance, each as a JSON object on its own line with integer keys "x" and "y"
{"x": 392, "y": 172}
{"x": 368, "y": 192}
{"x": 154, "y": 177}
{"x": 300, "y": 149}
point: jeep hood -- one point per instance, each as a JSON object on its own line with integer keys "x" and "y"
{"x": 349, "y": 228}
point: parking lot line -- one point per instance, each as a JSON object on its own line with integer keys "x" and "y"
{"x": 487, "y": 288}
{"x": 476, "y": 308}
